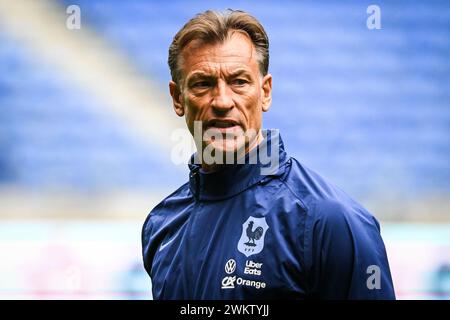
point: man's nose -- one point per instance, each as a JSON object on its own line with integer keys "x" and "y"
{"x": 222, "y": 100}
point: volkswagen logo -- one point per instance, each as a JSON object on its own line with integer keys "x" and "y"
{"x": 230, "y": 266}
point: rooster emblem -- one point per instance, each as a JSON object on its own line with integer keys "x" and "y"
{"x": 252, "y": 237}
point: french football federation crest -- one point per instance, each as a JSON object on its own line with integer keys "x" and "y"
{"x": 252, "y": 238}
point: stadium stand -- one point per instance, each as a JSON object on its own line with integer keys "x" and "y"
{"x": 367, "y": 108}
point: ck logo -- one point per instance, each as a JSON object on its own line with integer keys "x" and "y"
{"x": 252, "y": 238}
{"x": 228, "y": 282}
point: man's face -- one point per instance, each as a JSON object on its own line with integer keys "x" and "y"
{"x": 222, "y": 87}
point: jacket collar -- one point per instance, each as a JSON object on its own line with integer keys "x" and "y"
{"x": 260, "y": 164}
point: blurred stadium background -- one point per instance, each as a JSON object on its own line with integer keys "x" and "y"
{"x": 85, "y": 132}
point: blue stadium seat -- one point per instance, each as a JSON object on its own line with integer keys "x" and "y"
{"x": 368, "y": 108}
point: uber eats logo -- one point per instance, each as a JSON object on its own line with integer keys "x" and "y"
{"x": 252, "y": 268}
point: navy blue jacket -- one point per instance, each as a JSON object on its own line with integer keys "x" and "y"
{"x": 239, "y": 234}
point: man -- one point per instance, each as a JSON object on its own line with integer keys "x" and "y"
{"x": 247, "y": 228}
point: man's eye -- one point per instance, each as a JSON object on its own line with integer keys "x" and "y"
{"x": 201, "y": 84}
{"x": 240, "y": 82}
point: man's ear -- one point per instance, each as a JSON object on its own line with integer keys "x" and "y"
{"x": 176, "y": 98}
{"x": 267, "y": 92}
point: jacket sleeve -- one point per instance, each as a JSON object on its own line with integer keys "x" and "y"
{"x": 347, "y": 255}
{"x": 146, "y": 245}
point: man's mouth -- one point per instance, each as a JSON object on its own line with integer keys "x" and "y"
{"x": 223, "y": 126}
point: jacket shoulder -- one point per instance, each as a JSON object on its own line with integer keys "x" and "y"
{"x": 318, "y": 193}
{"x": 150, "y": 233}
{"x": 342, "y": 240}
{"x": 326, "y": 204}
{"x": 168, "y": 205}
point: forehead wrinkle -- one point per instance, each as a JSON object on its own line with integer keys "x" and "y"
{"x": 226, "y": 69}
{"x": 217, "y": 57}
